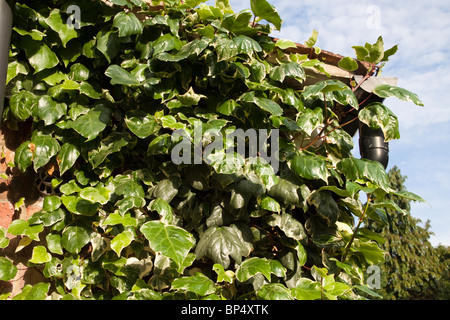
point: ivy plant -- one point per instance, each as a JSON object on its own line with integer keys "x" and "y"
{"x": 110, "y": 101}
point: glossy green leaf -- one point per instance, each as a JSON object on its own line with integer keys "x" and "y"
{"x": 268, "y": 203}
{"x": 75, "y": 237}
{"x": 173, "y": 242}
{"x": 92, "y": 123}
{"x": 222, "y": 243}
{"x": 386, "y": 91}
{"x": 309, "y": 167}
{"x": 377, "y": 116}
{"x": 54, "y": 243}
{"x": 127, "y": 24}
{"x": 39, "y": 55}
{"x": 306, "y": 289}
{"x": 246, "y": 45}
{"x": 119, "y": 75}
{"x": 222, "y": 275}
{"x": 290, "y": 69}
{"x": 274, "y": 291}
{"x": 121, "y": 241}
{"x": 37, "y": 292}
{"x": 56, "y": 23}
{"x": 8, "y": 270}
{"x": 21, "y": 104}
{"x": 200, "y": 285}
{"x": 108, "y": 43}
{"x": 40, "y": 255}
{"x": 51, "y": 203}
{"x": 45, "y": 148}
{"x": 250, "y": 267}
{"x": 23, "y": 157}
{"x": 142, "y": 124}
{"x": 288, "y": 224}
{"x": 164, "y": 210}
{"x": 98, "y": 194}
{"x": 348, "y": 64}
{"x": 68, "y": 154}
{"x": 264, "y": 10}
{"x": 364, "y": 169}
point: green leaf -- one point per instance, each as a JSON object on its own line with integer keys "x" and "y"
{"x": 355, "y": 169}
{"x": 68, "y": 154}
{"x": 290, "y": 69}
{"x": 386, "y": 91}
{"x": 221, "y": 243}
{"x": 4, "y": 240}
{"x": 92, "y": 123}
{"x": 75, "y": 237}
{"x": 250, "y": 267}
{"x": 274, "y": 291}
{"x": 291, "y": 227}
{"x": 200, "y": 285}
{"x": 310, "y": 167}
{"x": 23, "y": 157}
{"x": 284, "y": 44}
{"x": 54, "y": 243}
{"x": 39, "y": 55}
{"x": 45, "y": 148}
{"x": 56, "y": 23}
{"x": 119, "y": 75}
{"x": 37, "y": 292}
{"x": 109, "y": 44}
{"x": 21, "y": 104}
{"x": 80, "y": 206}
{"x": 99, "y": 194}
{"x": 8, "y": 270}
{"x": 268, "y": 203}
{"x": 264, "y": 10}
{"x": 348, "y": 64}
{"x": 173, "y": 242}
{"x": 122, "y": 240}
{"x": 312, "y": 40}
{"x": 246, "y": 45}
{"x": 226, "y": 49}
{"x": 49, "y": 110}
{"x": 141, "y": 124}
{"x": 164, "y": 210}
{"x": 222, "y": 275}
{"x": 195, "y": 47}
{"x": 40, "y": 255}
{"x": 325, "y": 204}
{"x": 51, "y": 203}
{"x": 264, "y": 103}
{"x": 127, "y": 23}
{"x": 377, "y": 116}
{"x": 306, "y": 289}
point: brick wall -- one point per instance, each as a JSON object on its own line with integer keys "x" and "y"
{"x": 15, "y": 185}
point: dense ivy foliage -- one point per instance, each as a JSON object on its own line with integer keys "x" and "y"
{"x": 111, "y": 100}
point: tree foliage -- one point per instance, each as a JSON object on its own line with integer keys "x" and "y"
{"x": 111, "y": 100}
{"x": 412, "y": 269}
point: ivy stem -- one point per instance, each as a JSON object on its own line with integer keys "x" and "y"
{"x": 355, "y": 231}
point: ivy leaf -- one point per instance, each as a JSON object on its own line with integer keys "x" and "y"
{"x": 246, "y": 45}
{"x": 268, "y": 203}
{"x": 56, "y": 23}
{"x": 274, "y": 291}
{"x": 45, "y": 148}
{"x": 348, "y": 64}
{"x": 222, "y": 275}
{"x": 109, "y": 44}
{"x": 325, "y": 205}
{"x": 291, "y": 227}
{"x": 141, "y": 124}
{"x": 309, "y": 167}
{"x": 122, "y": 240}
{"x": 221, "y": 243}
{"x": 250, "y": 267}
{"x": 68, "y": 155}
{"x": 263, "y": 9}
{"x": 127, "y": 23}
{"x": 100, "y": 194}
{"x": 75, "y": 237}
{"x": 200, "y": 285}
{"x": 290, "y": 69}
{"x": 173, "y": 242}
{"x": 264, "y": 103}
{"x": 119, "y": 75}
{"x": 8, "y": 270}
{"x": 54, "y": 243}
{"x": 312, "y": 40}
{"x": 164, "y": 210}
{"x": 306, "y": 289}
{"x": 21, "y": 104}
{"x": 377, "y": 116}
{"x": 23, "y": 157}
{"x": 355, "y": 169}
{"x": 386, "y": 91}
{"x": 284, "y": 44}
{"x": 37, "y": 292}
{"x": 39, "y": 55}
{"x": 80, "y": 206}
{"x": 40, "y": 255}
{"x": 92, "y": 123}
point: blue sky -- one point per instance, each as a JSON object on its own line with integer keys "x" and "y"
{"x": 422, "y": 31}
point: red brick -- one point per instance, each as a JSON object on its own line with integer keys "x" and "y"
{"x": 32, "y": 209}
{"x": 6, "y": 213}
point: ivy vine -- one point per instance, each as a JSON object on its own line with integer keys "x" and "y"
{"x": 125, "y": 221}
